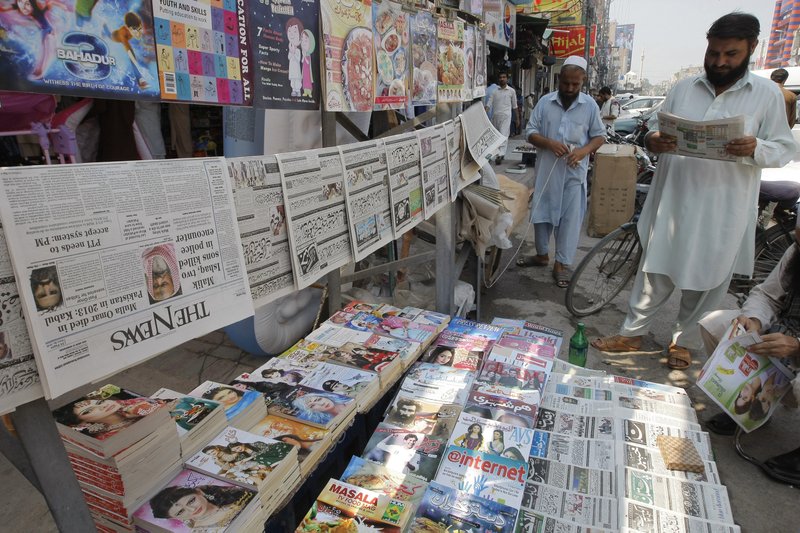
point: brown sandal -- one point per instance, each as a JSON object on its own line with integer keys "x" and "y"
{"x": 678, "y": 357}
{"x": 533, "y": 261}
{"x": 618, "y": 344}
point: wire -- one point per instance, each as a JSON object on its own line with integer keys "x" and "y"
{"x": 527, "y": 229}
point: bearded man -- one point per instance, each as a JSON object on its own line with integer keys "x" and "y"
{"x": 698, "y": 221}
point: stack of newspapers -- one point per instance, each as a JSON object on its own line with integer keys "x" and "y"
{"x": 121, "y": 446}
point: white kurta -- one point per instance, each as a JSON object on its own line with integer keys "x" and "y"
{"x": 502, "y": 104}
{"x": 699, "y": 217}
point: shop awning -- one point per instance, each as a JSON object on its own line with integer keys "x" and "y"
{"x": 536, "y": 24}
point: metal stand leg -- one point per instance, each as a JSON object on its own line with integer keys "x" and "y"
{"x": 445, "y": 259}
{"x": 48, "y": 459}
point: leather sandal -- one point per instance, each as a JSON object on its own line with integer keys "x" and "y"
{"x": 678, "y": 357}
{"x": 533, "y": 261}
{"x": 618, "y": 344}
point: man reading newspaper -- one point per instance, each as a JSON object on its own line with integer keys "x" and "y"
{"x": 772, "y": 311}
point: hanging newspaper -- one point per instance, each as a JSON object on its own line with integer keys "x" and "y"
{"x": 366, "y": 187}
{"x": 747, "y": 386}
{"x": 481, "y": 137}
{"x": 19, "y": 378}
{"x": 453, "y": 130}
{"x": 479, "y": 90}
{"x": 403, "y": 157}
{"x": 435, "y": 182}
{"x": 705, "y": 139}
{"x": 258, "y": 197}
{"x": 125, "y": 260}
{"x": 313, "y": 195}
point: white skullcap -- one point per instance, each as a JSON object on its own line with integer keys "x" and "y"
{"x": 578, "y": 61}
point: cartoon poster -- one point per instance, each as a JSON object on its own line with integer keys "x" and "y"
{"x": 203, "y": 51}
{"x": 451, "y": 60}
{"x": 424, "y": 59}
{"x": 469, "y": 60}
{"x": 390, "y": 32}
{"x": 349, "y": 70}
{"x": 78, "y": 47}
{"x": 285, "y": 53}
{"x": 479, "y": 87}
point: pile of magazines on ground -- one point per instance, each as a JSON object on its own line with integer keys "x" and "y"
{"x": 490, "y": 432}
{"x": 224, "y": 457}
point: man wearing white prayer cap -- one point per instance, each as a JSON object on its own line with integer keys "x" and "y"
{"x": 566, "y": 127}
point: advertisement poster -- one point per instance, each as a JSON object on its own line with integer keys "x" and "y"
{"x": 571, "y": 41}
{"x": 347, "y": 35}
{"x": 501, "y": 21}
{"x": 424, "y": 59}
{"x": 452, "y": 63}
{"x": 82, "y": 48}
{"x": 203, "y": 52}
{"x": 554, "y": 7}
{"x": 479, "y": 88}
{"x": 391, "y": 32}
{"x": 285, "y": 53}
{"x": 469, "y": 59}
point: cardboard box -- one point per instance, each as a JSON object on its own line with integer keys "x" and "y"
{"x": 613, "y": 193}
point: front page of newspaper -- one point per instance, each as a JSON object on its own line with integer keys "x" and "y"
{"x": 646, "y": 434}
{"x": 704, "y": 139}
{"x": 571, "y": 506}
{"x": 258, "y": 198}
{"x": 575, "y": 425}
{"x": 405, "y": 179}
{"x": 590, "y": 453}
{"x": 125, "y": 260}
{"x": 366, "y": 187}
{"x": 641, "y": 518}
{"x": 589, "y": 481}
{"x": 19, "y": 377}
{"x": 481, "y": 136}
{"x": 435, "y": 180}
{"x": 453, "y": 130}
{"x": 536, "y": 522}
{"x": 650, "y": 460}
{"x": 313, "y": 192}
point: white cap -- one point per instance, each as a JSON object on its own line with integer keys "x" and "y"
{"x": 578, "y": 61}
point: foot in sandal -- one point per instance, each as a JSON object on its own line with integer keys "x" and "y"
{"x": 618, "y": 344}
{"x": 678, "y": 357}
{"x": 534, "y": 261}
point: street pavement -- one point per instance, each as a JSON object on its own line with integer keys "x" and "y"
{"x": 759, "y": 504}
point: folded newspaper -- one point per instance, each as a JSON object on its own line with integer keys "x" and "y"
{"x": 705, "y": 139}
{"x": 745, "y": 385}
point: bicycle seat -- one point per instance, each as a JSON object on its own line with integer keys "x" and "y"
{"x": 785, "y": 193}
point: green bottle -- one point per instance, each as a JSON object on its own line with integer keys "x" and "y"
{"x": 578, "y": 346}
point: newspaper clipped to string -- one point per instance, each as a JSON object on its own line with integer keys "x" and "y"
{"x": 121, "y": 261}
{"x": 704, "y": 139}
{"x": 747, "y": 386}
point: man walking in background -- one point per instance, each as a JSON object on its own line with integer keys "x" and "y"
{"x": 780, "y": 76}
{"x": 502, "y": 104}
{"x": 565, "y": 126}
{"x": 698, "y": 222}
{"x": 609, "y": 108}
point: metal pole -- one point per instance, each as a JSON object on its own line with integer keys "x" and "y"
{"x": 587, "y": 46}
{"x": 445, "y": 239}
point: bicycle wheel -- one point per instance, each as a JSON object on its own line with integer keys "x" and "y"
{"x": 605, "y": 270}
{"x": 770, "y": 247}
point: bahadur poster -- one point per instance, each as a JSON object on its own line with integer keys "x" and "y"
{"x": 79, "y": 47}
{"x": 286, "y": 53}
{"x": 203, "y": 51}
{"x": 349, "y": 69}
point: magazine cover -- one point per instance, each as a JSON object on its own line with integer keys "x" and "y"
{"x": 433, "y": 373}
{"x": 492, "y": 436}
{"x": 377, "y": 477}
{"x": 240, "y": 457}
{"x": 306, "y": 438}
{"x": 451, "y": 60}
{"x": 365, "y": 504}
{"x": 424, "y": 59}
{"x": 187, "y": 411}
{"x": 423, "y": 316}
{"x": 422, "y": 416}
{"x": 194, "y": 502}
{"x": 479, "y": 90}
{"x": 103, "y": 413}
{"x": 529, "y": 379}
{"x": 455, "y": 351}
{"x": 235, "y": 399}
{"x": 390, "y": 30}
{"x": 339, "y": 379}
{"x": 469, "y": 60}
{"x": 446, "y": 509}
{"x": 510, "y": 410}
{"x": 349, "y": 71}
{"x": 363, "y": 357}
{"x": 748, "y": 387}
{"x": 311, "y": 406}
{"x": 81, "y": 48}
{"x": 275, "y": 377}
{"x": 489, "y": 332}
{"x": 510, "y": 346}
{"x": 325, "y": 517}
{"x": 286, "y": 54}
{"x": 492, "y": 477}
{"x": 550, "y": 336}
{"x": 203, "y": 52}
{"x": 394, "y": 448}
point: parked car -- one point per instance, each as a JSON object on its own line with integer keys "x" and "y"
{"x": 626, "y": 125}
{"x": 639, "y": 105}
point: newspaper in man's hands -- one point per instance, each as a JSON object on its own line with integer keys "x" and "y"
{"x": 705, "y": 139}
{"x": 745, "y": 385}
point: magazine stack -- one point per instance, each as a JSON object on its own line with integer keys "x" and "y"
{"x": 311, "y": 442}
{"x": 267, "y": 466}
{"x": 243, "y": 407}
{"x": 196, "y": 419}
{"x": 192, "y": 501}
{"x": 121, "y": 446}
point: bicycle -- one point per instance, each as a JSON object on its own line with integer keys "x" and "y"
{"x": 612, "y": 262}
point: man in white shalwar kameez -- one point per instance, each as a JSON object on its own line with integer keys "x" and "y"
{"x": 501, "y": 104}
{"x": 565, "y": 126}
{"x": 697, "y": 226}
